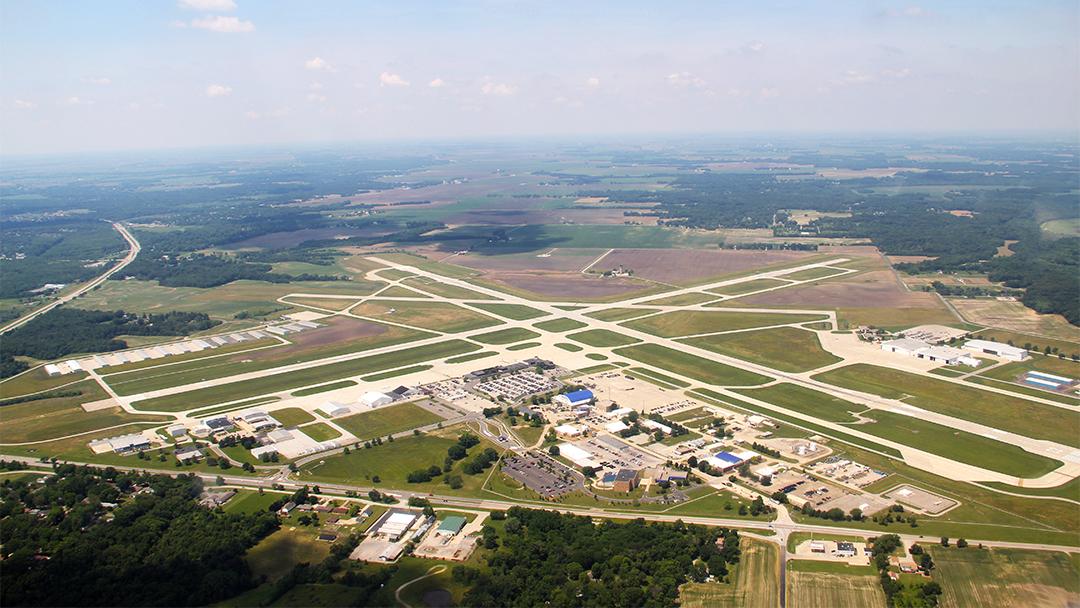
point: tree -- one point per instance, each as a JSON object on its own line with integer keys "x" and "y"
{"x": 961, "y": 543}
{"x": 944, "y": 541}
{"x": 553, "y": 450}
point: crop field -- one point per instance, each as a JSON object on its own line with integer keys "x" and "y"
{"x": 506, "y": 336}
{"x": 1000, "y": 578}
{"x": 806, "y": 401}
{"x": 303, "y": 377}
{"x": 784, "y": 348}
{"x": 737, "y": 289}
{"x": 292, "y": 416}
{"x": 1015, "y": 317}
{"x": 602, "y": 338}
{"x": 688, "y": 323}
{"x": 440, "y": 316}
{"x": 387, "y": 420}
{"x": 809, "y": 589}
{"x": 999, "y": 411}
{"x": 754, "y": 583}
{"x": 517, "y": 312}
{"x": 320, "y": 431}
{"x": 559, "y": 325}
{"x": 693, "y": 266}
{"x": 691, "y": 366}
{"x": 46, "y": 419}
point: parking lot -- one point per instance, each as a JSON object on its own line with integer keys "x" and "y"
{"x": 542, "y": 475}
{"x": 517, "y": 385}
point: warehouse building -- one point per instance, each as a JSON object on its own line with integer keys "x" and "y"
{"x": 1004, "y": 351}
{"x": 450, "y": 526}
{"x": 574, "y": 399}
{"x": 921, "y": 350}
{"x": 396, "y": 524}
{"x": 727, "y": 461}
{"x": 375, "y": 399}
{"x": 569, "y": 430}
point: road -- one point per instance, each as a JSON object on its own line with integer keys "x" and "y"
{"x": 133, "y": 250}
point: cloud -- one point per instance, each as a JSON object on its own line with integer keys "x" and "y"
{"x": 500, "y": 89}
{"x": 685, "y": 79}
{"x": 208, "y": 6}
{"x": 386, "y": 79}
{"x": 75, "y": 100}
{"x": 910, "y": 12}
{"x": 755, "y": 47}
{"x": 437, "y": 83}
{"x": 218, "y": 90}
{"x": 98, "y": 81}
{"x": 318, "y": 64}
{"x": 857, "y": 77}
{"x": 23, "y": 104}
{"x": 316, "y": 97}
{"x": 592, "y": 82}
{"x": 769, "y": 92}
{"x": 223, "y": 25}
{"x": 898, "y": 74}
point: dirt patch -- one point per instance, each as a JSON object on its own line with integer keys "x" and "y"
{"x": 692, "y": 265}
{"x": 875, "y": 289}
{"x": 961, "y": 213}
{"x": 334, "y": 331}
{"x": 1005, "y": 250}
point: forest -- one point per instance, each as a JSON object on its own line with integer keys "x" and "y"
{"x": 63, "y": 545}
{"x": 553, "y": 559}
{"x": 203, "y": 270}
{"x": 62, "y": 250}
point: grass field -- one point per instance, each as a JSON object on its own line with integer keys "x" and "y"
{"x": 688, "y": 323}
{"x": 784, "y": 348}
{"x": 506, "y": 336}
{"x": 292, "y": 416}
{"x": 641, "y": 371}
{"x": 47, "y": 419}
{"x": 558, "y": 325}
{"x": 397, "y": 291}
{"x": 806, "y": 401}
{"x": 335, "y": 304}
{"x": 999, "y": 411}
{"x": 813, "y": 273}
{"x": 517, "y": 312}
{"x": 691, "y": 366}
{"x": 304, "y": 392}
{"x": 248, "y": 501}
{"x": 685, "y": 299}
{"x": 295, "y": 379}
{"x": 35, "y": 381}
{"x": 523, "y": 346}
{"x": 810, "y": 589}
{"x": 1020, "y": 389}
{"x": 233, "y": 406}
{"x": 470, "y": 357}
{"x": 320, "y": 431}
{"x": 387, "y": 420}
{"x": 620, "y": 314}
{"x": 401, "y": 371}
{"x": 1040, "y": 363}
{"x": 276, "y": 554}
{"x": 440, "y": 316}
{"x": 754, "y": 582}
{"x": 444, "y": 290}
{"x": 1020, "y": 339}
{"x": 573, "y": 348}
{"x": 991, "y": 578}
{"x": 602, "y": 338}
{"x": 737, "y": 289}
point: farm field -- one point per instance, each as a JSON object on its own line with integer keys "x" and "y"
{"x": 691, "y": 366}
{"x": 753, "y": 583}
{"x": 1012, "y": 414}
{"x": 386, "y": 420}
{"x": 1000, "y": 578}
{"x": 506, "y": 336}
{"x": 440, "y": 316}
{"x": 295, "y": 379}
{"x": 688, "y": 323}
{"x": 602, "y": 338}
{"x": 784, "y": 348}
{"x": 808, "y": 588}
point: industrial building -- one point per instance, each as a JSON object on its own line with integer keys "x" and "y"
{"x": 1047, "y": 381}
{"x": 576, "y": 455}
{"x": 397, "y": 523}
{"x": 921, "y": 350}
{"x": 574, "y": 399}
{"x": 375, "y": 399}
{"x": 334, "y": 409}
{"x": 655, "y": 426}
{"x": 616, "y": 426}
{"x": 1004, "y": 351}
{"x": 726, "y": 461}
{"x": 845, "y": 549}
{"x": 569, "y": 430}
{"x": 176, "y": 430}
{"x": 122, "y": 444}
{"x": 450, "y": 526}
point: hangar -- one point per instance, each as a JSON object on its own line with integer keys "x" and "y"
{"x": 1004, "y": 351}
{"x": 574, "y": 399}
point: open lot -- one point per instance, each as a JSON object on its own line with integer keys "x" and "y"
{"x": 754, "y": 582}
{"x": 688, "y": 323}
{"x": 440, "y": 316}
{"x": 690, "y": 266}
{"x": 808, "y": 588}
{"x": 1000, "y": 578}
{"x": 387, "y": 420}
{"x": 1014, "y": 316}
{"x": 784, "y": 348}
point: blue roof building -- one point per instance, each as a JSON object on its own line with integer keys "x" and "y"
{"x": 575, "y": 398}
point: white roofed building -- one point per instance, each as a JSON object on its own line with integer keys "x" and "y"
{"x": 375, "y": 399}
{"x": 1004, "y": 351}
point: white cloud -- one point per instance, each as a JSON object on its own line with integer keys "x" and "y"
{"x": 98, "y": 81}
{"x": 896, "y": 74}
{"x": 912, "y": 12}
{"x": 316, "y": 97}
{"x": 592, "y": 82}
{"x": 134, "y": 105}
{"x": 387, "y": 79}
{"x": 857, "y": 77}
{"x": 209, "y": 6}
{"x": 437, "y": 83}
{"x": 75, "y": 100}
{"x": 318, "y": 64}
{"x": 755, "y": 47}
{"x": 23, "y": 104}
{"x": 223, "y": 25}
{"x": 500, "y": 89}
{"x": 218, "y": 90}
{"x": 685, "y": 79}
{"x": 769, "y": 92}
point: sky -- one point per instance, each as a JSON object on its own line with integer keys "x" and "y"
{"x": 149, "y": 74}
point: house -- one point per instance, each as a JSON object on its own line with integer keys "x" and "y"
{"x": 375, "y": 399}
{"x": 1004, "y": 351}
{"x": 655, "y": 426}
{"x": 625, "y": 480}
{"x": 450, "y": 526}
{"x": 287, "y": 508}
{"x": 845, "y": 549}
{"x": 569, "y": 430}
{"x": 907, "y": 566}
{"x": 328, "y": 537}
{"x": 575, "y": 398}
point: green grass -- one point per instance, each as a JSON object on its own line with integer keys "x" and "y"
{"x": 602, "y": 338}
{"x": 595, "y": 357}
{"x": 989, "y": 578}
{"x": 1038, "y": 342}
{"x": 1041, "y": 363}
{"x": 1020, "y": 389}
{"x": 784, "y": 348}
{"x": 233, "y": 406}
{"x": 403, "y": 371}
{"x": 35, "y": 381}
{"x": 320, "y": 431}
{"x": 438, "y": 316}
{"x": 387, "y": 420}
{"x": 620, "y": 314}
{"x": 304, "y": 392}
{"x": 946, "y": 372}
{"x": 471, "y": 357}
{"x": 573, "y": 348}
{"x": 691, "y": 366}
{"x": 998, "y": 411}
{"x": 517, "y": 312}
{"x": 687, "y": 323}
{"x": 292, "y": 416}
{"x": 641, "y": 371}
{"x": 295, "y": 379}
{"x": 685, "y": 299}
{"x": 1069, "y": 489}
{"x": 558, "y": 325}
{"x": 523, "y": 346}
{"x": 397, "y": 291}
{"x": 444, "y": 290}
{"x": 736, "y": 289}
{"x": 276, "y": 554}
{"x": 505, "y": 336}
{"x": 805, "y": 401}
{"x": 813, "y": 273}
{"x": 46, "y": 419}
{"x": 248, "y": 501}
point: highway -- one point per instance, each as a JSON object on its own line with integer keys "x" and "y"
{"x": 133, "y": 251}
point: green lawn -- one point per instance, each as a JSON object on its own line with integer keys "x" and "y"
{"x": 248, "y": 501}
{"x": 295, "y": 379}
{"x": 292, "y": 416}
{"x": 46, "y": 419}
{"x": 320, "y": 431}
{"x": 324, "y": 388}
{"x": 573, "y": 348}
{"x": 558, "y": 325}
{"x": 387, "y": 420}
{"x": 620, "y": 314}
{"x": 999, "y": 411}
{"x": 517, "y": 312}
{"x": 505, "y": 336}
{"x": 805, "y": 401}
{"x": 784, "y": 348}
{"x": 687, "y": 323}
{"x": 691, "y": 366}
{"x": 401, "y": 371}
{"x": 602, "y": 338}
